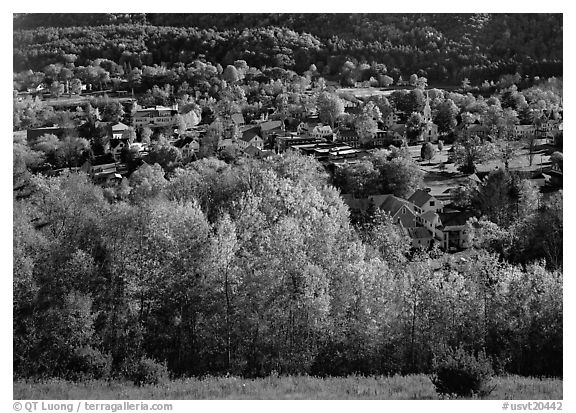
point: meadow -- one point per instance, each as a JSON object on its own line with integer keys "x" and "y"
{"x": 410, "y": 387}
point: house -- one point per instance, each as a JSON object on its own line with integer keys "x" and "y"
{"x": 307, "y": 125}
{"x": 116, "y": 130}
{"x": 390, "y": 120}
{"x": 421, "y": 237}
{"x": 271, "y": 127}
{"x": 250, "y": 137}
{"x": 539, "y": 179}
{"x": 322, "y": 131}
{"x": 348, "y": 136}
{"x": 524, "y": 131}
{"x": 282, "y": 143}
{"x": 429, "y": 220}
{"x": 456, "y": 234}
{"x": 554, "y": 178}
{"x": 396, "y": 133}
{"x": 225, "y": 143}
{"x": 33, "y": 133}
{"x": 155, "y": 117}
{"x": 117, "y": 146}
{"x": 424, "y": 201}
{"x": 102, "y": 169}
{"x": 188, "y": 146}
{"x": 401, "y": 211}
{"x": 474, "y": 129}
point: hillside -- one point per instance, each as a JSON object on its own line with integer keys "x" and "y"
{"x": 442, "y": 47}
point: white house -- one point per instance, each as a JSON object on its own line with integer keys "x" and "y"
{"x": 322, "y": 131}
{"x": 157, "y": 116}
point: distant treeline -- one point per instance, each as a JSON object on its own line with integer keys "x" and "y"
{"x": 441, "y": 47}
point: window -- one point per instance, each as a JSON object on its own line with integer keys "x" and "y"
{"x": 432, "y": 203}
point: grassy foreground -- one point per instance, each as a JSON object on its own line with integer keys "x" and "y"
{"x": 415, "y": 387}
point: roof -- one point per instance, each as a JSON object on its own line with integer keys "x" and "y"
{"x": 347, "y": 133}
{"x": 360, "y": 204}
{"x": 419, "y": 198}
{"x": 252, "y": 150}
{"x": 429, "y": 216}
{"x": 398, "y": 128}
{"x": 152, "y": 112}
{"x": 326, "y": 129}
{"x": 183, "y": 142}
{"x": 455, "y": 218}
{"x": 273, "y": 124}
{"x": 393, "y": 204}
{"x": 419, "y": 233}
{"x": 407, "y": 221}
{"x": 102, "y": 160}
{"x": 115, "y": 142}
{"x": 249, "y": 134}
{"x": 119, "y": 126}
{"x": 478, "y": 128}
{"x": 237, "y": 118}
{"x": 474, "y": 178}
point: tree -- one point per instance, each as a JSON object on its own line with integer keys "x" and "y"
{"x": 57, "y": 89}
{"x": 112, "y": 111}
{"x": 230, "y": 74}
{"x": 129, "y": 134}
{"x": 366, "y": 128}
{"x": 210, "y": 141}
{"x": 414, "y": 126}
{"x": 330, "y": 107}
{"x": 399, "y": 176}
{"x": 385, "y": 80}
{"x": 180, "y": 124}
{"x": 164, "y": 154}
{"x": 145, "y": 134}
{"x": 427, "y": 152}
{"x": 360, "y": 179}
{"x": 75, "y": 86}
{"x": 223, "y": 249}
{"x": 73, "y": 150}
{"x": 470, "y": 151}
{"x": 446, "y": 116}
{"x": 388, "y": 240}
{"x": 147, "y": 182}
{"x": 557, "y": 160}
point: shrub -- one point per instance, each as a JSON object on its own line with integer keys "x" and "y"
{"x": 145, "y": 371}
{"x": 88, "y": 362}
{"x": 461, "y": 373}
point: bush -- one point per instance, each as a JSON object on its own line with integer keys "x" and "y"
{"x": 145, "y": 371}
{"x": 88, "y": 362}
{"x": 461, "y": 373}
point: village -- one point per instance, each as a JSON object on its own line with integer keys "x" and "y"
{"x": 428, "y": 215}
{"x": 287, "y": 206}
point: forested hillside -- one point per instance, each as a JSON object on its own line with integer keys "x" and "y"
{"x": 441, "y": 47}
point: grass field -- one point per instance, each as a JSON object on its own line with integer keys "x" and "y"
{"x": 439, "y": 180}
{"x": 412, "y": 387}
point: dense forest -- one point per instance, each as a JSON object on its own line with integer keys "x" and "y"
{"x": 254, "y": 267}
{"x": 444, "y": 48}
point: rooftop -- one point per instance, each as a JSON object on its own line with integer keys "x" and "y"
{"x": 419, "y": 198}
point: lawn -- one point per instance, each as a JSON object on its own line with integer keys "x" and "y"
{"x": 439, "y": 179}
{"x": 411, "y": 387}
